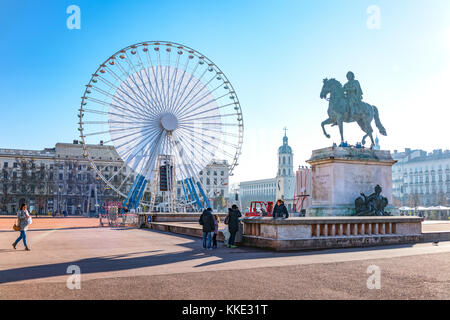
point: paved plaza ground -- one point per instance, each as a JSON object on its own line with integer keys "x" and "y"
{"x": 127, "y": 263}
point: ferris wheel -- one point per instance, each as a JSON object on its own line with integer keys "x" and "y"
{"x": 167, "y": 111}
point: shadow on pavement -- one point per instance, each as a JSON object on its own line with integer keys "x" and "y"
{"x": 129, "y": 261}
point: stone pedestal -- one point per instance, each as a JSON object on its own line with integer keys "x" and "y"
{"x": 330, "y": 232}
{"x": 339, "y": 175}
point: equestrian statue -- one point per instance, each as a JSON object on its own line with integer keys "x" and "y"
{"x": 346, "y": 105}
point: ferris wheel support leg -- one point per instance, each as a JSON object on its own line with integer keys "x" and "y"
{"x": 205, "y": 198}
{"x": 193, "y": 193}
{"x": 139, "y": 197}
{"x": 184, "y": 190}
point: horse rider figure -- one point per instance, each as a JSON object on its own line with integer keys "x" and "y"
{"x": 353, "y": 93}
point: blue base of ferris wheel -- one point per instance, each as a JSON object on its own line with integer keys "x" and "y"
{"x": 135, "y": 193}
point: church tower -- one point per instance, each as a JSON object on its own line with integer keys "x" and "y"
{"x": 285, "y": 180}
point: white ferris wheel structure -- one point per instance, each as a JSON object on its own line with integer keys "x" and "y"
{"x": 167, "y": 111}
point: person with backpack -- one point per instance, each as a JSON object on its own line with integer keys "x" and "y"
{"x": 232, "y": 220}
{"x": 207, "y": 221}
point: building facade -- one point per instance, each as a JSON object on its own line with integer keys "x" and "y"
{"x": 59, "y": 179}
{"x": 420, "y": 178}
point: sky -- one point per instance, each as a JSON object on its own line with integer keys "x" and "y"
{"x": 275, "y": 53}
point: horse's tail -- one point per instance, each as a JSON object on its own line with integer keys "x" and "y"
{"x": 378, "y": 122}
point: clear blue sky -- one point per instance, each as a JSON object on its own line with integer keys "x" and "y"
{"x": 275, "y": 53}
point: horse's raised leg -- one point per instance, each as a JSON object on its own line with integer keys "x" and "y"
{"x": 328, "y": 121}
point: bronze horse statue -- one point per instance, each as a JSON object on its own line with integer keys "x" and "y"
{"x": 339, "y": 111}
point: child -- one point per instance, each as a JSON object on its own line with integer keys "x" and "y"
{"x": 216, "y": 230}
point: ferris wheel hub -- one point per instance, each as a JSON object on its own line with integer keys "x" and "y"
{"x": 169, "y": 121}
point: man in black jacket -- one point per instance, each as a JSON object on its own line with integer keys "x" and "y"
{"x": 280, "y": 210}
{"x": 233, "y": 224}
{"x": 207, "y": 221}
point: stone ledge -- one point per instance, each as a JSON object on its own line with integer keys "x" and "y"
{"x": 332, "y": 220}
{"x": 353, "y": 154}
{"x": 330, "y": 242}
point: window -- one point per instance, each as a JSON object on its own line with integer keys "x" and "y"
{"x": 79, "y": 167}
{"x": 61, "y": 176}
{"x": 15, "y": 165}
{"x": 222, "y": 173}
{"x": 61, "y": 167}
{"x": 5, "y": 175}
{"x": 5, "y": 165}
{"x": 14, "y": 174}
{"x": 207, "y": 182}
{"x": 215, "y": 173}
{"x": 79, "y": 177}
{"x": 115, "y": 169}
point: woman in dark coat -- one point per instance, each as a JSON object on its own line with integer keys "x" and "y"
{"x": 280, "y": 210}
{"x": 233, "y": 224}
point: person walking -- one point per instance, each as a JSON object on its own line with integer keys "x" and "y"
{"x": 233, "y": 224}
{"x": 216, "y": 230}
{"x": 280, "y": 210}
{"x": 22, "y": 222}
{"x": 207, "y": 221}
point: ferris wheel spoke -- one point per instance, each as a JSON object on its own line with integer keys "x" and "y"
{"x": 178, "y": 85}
{"x": 188, "y": 116}
{"x": 195, "y": 129}
{"x": 150, "y": 134}
{"x": 215, "y": 138}
{"x": 149, "y": 90}
{"x": 165, "y": 86}
{"x": 114, "y": 130}
{"x": 174, "y": 78}
{"x": 177, "y": 101}
{"x": 181, "y": 103}
{"x": 140, "y": 132}
{"x": 113, "y": 97}
{"x": 142, "y": 81}
{"x": 139, "y": 106}
{"x": 156, "y": 90}
{"x": 120, "y": 115}
{"x": 127, "y": 111}
{"x": 144, "y": 108}
{"x": 178, "y": 144}
{"x": 188, "y": 105}
{"x": 194, "y": 140}
{"x": 130, "y": 77}
{"x": 197, "y": 141}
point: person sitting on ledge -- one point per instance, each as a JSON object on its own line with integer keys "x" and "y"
{"x": 280, "y": 210}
